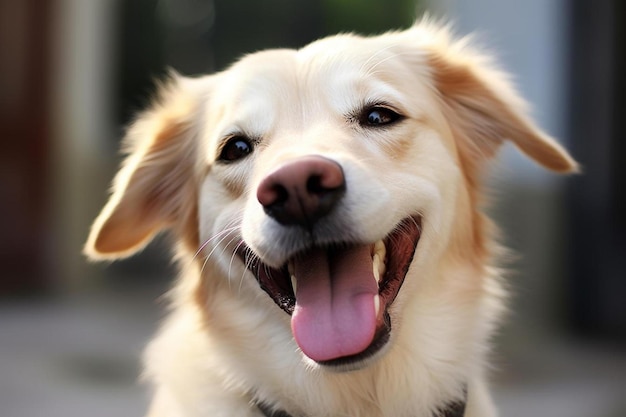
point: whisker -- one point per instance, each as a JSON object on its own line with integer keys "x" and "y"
{"x": 251, "y": 260}
{"x": 231, "y": 225}
{"x": 373, "y": 69}
{"x": 215, "y": 236}
{"x": 232, "y": 239}
{"x": 223, "y": 238}
{"x": 268, "y": 271}
{"x": 247, "y": 261}
{"x": 374, "y": 55}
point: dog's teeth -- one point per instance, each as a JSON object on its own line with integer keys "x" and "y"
{"x": 294, "y": 283}
{"x": 378, "y": 260}
{"x": 380, "y": 249}
{"x": 291, "y": 269}
{"x": 377, "y": 304}
{"x": 376, "y": 267}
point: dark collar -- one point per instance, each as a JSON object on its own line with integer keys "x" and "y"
{"x": 456, "y": 409}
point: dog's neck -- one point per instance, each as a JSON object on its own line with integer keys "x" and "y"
{"x": 456, "y": 409}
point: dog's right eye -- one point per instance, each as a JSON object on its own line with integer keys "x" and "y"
{"x": 235, "y": 148}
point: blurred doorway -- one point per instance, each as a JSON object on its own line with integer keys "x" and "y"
{"x": 26, "y": 143}
{"x": 597, "y": 199}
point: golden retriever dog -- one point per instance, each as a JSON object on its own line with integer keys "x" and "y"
{"x": 326, "y": 207}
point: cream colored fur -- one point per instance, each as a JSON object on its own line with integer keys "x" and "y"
{"x": 226, "y": 345}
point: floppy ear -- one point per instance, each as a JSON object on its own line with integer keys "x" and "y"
{"x": 154, "y": 189}
{"x": 484, "y": 110}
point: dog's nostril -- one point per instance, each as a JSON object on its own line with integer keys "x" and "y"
{"x": 271, "y": 193}
{"x": 314, "y": 185}
{"x": 281, "y": 195}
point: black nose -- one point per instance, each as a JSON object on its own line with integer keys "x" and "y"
{"x": 302, "y": 191}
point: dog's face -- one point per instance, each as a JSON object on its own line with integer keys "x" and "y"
{"x": 315, "y": 150}
{"x": 336, "y": 178}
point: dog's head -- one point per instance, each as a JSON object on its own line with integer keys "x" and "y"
{"x": 339, "y": 176}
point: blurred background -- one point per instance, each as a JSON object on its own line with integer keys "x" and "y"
{"x": 72, "y": 74}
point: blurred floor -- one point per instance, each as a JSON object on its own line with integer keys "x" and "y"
{"x": 75, "y": 356}
{"x": 80, "y": 356}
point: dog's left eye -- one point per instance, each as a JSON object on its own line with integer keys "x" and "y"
{"x": 235, "y": 148}
{"x": 378, "y": 116}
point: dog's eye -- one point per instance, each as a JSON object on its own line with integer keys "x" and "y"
{"x": 378, "y": 116}
{"x": 237, "y": 147}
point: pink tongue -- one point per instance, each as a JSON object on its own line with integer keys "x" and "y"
{"x": 334, "y": 315}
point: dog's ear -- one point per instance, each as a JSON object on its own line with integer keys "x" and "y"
{"x": 153, "y": 188}
{"x": 484, "y": 110}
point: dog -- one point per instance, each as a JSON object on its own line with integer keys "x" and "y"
{"x": 326, "y": 207}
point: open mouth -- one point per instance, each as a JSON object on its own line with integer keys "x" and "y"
{"x": 338, "y": 296}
